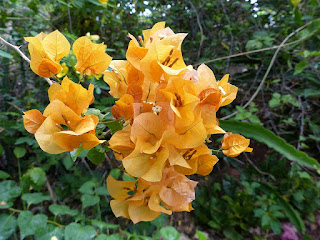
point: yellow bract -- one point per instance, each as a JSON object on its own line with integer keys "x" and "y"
{"x": 91, "y": 57}
{"x": 46, "y": 51}
{"x": 144, "y": 201}
{"x": 61, "y": 128}
{"x": 234, "y": 144}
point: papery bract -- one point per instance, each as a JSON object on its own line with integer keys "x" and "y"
{"x": 46, "y": 51}
{"x": 91, "y": 57}
{"x": 234, "y": 144}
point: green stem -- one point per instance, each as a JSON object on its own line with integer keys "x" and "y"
{"x": 19, "y": 172}
{"x": 57, "y": 224}
{"x": 108, "y": 122}
{"x": 219, "y": 150}
{"x": 99, "y": 211}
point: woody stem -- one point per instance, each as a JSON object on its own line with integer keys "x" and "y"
{"x": 17, "y": 49}
{"x": 114, "y": 164}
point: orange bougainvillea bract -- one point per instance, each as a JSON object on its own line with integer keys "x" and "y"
{"x": 167, "y": 108}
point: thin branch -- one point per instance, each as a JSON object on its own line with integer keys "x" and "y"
{"x": 86, "y": 165}
{"x": 257, "y": 169}
{"x": 200, "y": 27}
{"x": 69, "y": 17}
{"x": 17, "y": 49}
{"x": 232, "y": 37}
{"x": 268, "y": 70}
{"x": 246, "y": 53}
{"x": 51, "y": 191}
{"x": 113, "y": 163}
{"x": 301, "y": 122}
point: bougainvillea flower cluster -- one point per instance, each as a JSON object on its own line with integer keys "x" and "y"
{"x": 168, "y": 110}
{"x": 63, "y": 126}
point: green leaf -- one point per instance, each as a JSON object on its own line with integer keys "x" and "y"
{"x": 75, "y": 231}
{"x": 289, "y": 211}
{"x": 89, "y": 200}
{"x": 169, "y": 233}
{"x": 102, "y": 237}
{"x": 274, "y": 103}
{"x": 62, "y": 210}
{"x": 307, "y": 237}
{"x": 115, "y": 173}
{"x": 78, "y": 152}
{"x": 159, "y": 221}
{"x": 231, "y": 233}
{"x": 300, "y": 67}
{"x": 19, "y": 152}
{"x": 95, "y": 156}
{"x": 67, "y": 162}
{"x": 276, "y": 226}
{"x": 292, "y": 214}
{"x": 88, "y": 187}
{"x": 48, "y": 232}
{"x": 295, "y": 2}
{"x": 4, "y": 174}
{"x": 109, "y": 237}
{"x": 201, "y": 235}
{"x": 310, "y": 92}
{"x": 35, "y": 198}
{"x": 267, "y": 137}
{"x": 5, "y": 54}
{"x": 102, "y": 190}
{"x": 29, "y": 224}
{"x": 9, "y": 190}
{"x": 114, "y": 126}
{"x": 8, "y": 224}
{"x": 265, "y": 220}
{"x": 37, "y": 176}
{"x": 253, "y": 44}
{"x": 127, "y": 178}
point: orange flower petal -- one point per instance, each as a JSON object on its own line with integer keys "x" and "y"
{"x": 91, "y": 57}
{"x": 206, "y": 163}
{"x": 141, "y": 213}
{"x": 32, "y": 120}
{"x": 61, "y": 114}
{"x": 119, "y": 189}
{"x": 44, "y": 137}
{"x": 119, "y": 208}
{"x": 234, "y": 144}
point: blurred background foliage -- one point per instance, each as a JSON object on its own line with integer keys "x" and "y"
{"x": 261, "y": 195}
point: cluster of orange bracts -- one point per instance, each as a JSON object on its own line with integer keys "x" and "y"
{"x": 168, "y": 108}
{"x": 169, "y": 111}
{"x": 62, "y": 127}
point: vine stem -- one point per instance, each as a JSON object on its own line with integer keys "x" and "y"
{"x": 17, "y": 49}
{"x": 49, "y": 221}
{"x": 113, "y": 163}
{"x": 268, "y": 70}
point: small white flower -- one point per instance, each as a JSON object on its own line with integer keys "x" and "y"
{"x": 156, "y": 109}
